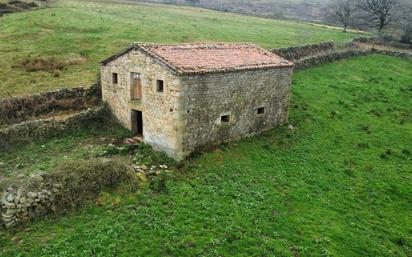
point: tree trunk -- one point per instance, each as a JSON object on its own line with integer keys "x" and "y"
{"x": 381, "y": 23}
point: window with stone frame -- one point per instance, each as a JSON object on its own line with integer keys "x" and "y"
{"x": 225, "y": 118}
{"x": 159, "y": 85}
{"x": 115, "y": 78}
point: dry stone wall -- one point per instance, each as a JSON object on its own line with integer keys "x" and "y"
{"x": 17, "y": 109}
{"x": 40, "y": 129}
{"x": 329, "y": 57}
{"x": 52, "y": 193}
{"x": 378, "y": 41}
{"x": 298, "y": 52}
{"x": 339, "y": 55}
{"x": 20, "y": 205}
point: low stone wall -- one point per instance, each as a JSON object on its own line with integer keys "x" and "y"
{"x": 329, "y": 57}
{"x": 74, "y": 184}
{"x": 17, "y": 109}
{"x": 298, "y": 52}
{"x": 22, "y": 205}
{"x": 378, "y": 41}
{"x": 40, "y": 129}
{"x": 69, "y": 187}
{"x": 394, "y": 53}
{"x": 350, "y": 52}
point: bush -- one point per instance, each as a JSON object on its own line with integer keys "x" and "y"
{"x": 158, "y": 183}
{"x": 84, "y": 180}
{"x": 42, "y": 64}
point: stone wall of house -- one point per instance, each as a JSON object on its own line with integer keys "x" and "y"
{"x": 18, "y": 109}
{"x": 161, "y": 110}
{"x": 237, "y": 94}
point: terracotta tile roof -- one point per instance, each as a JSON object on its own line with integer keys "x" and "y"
{"x": 209, "y": 57}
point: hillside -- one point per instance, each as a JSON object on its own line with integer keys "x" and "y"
{"x": 337, "y": 184}
{"x": 62, "y": 45}
{"x": 305, "y": 10}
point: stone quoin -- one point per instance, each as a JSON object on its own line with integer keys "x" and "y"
{"x": 182, "y": 98}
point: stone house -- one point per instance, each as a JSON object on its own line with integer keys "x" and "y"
{"x": 181, "y": 98}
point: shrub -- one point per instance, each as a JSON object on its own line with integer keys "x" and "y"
{"x": 158, "y": 183}
{"x": 41, "y": 64}
{"x": 84, "y": 180}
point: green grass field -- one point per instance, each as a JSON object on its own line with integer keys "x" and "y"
{"x": 339, "y": 184}
{"x": 79, "y": 34}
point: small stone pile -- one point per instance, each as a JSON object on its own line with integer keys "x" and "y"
{"x": 19, "y": 205}
{"x": 150, "y": 172}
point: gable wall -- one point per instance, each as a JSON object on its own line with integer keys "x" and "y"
{"x": 238, "y": 94}
{"x": 160, "y": 110}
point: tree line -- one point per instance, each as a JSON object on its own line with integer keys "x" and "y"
{"x": 373, "y": 14}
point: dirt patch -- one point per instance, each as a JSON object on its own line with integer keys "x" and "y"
{"x": 50, "y": 64}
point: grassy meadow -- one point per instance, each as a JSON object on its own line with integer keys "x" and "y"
{"x": 61, "y": 46}
{"x": 338, "y": 184}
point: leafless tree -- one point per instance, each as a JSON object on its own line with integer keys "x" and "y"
{"x": 192, "y": 2}
{"x": 379, "y": 11}
{"x": 341, "y": 11}
{"x": 405, "y": 20}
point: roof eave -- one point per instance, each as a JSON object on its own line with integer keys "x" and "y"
{"x": 117, "y": 55}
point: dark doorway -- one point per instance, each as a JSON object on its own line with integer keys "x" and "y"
{"x": 137, "y": 122}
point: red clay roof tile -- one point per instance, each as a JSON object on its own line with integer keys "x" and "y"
{"x": 213, "y": 57}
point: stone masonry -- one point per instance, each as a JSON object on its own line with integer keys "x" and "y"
{"x": 194, "y": 95}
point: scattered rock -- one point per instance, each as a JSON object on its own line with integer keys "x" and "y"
{"x": 36, "y": 179}
{"x": 10, "y": 198}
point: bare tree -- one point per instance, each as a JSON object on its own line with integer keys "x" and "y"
{"x": 379, "y": 11}
{"x": 405, "y": 20}
{"x": 341, "y": 11}
{"x": 192, "y": 2}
